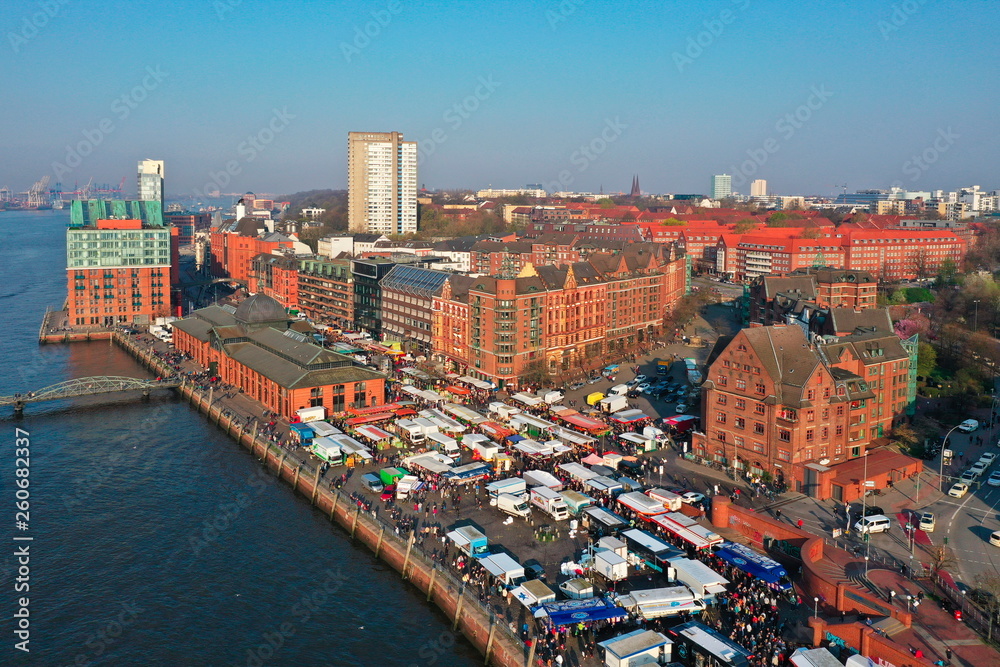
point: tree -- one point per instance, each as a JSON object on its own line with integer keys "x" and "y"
{"x": 926, "y": 359}
{"x": 941, "y": 559}
{"x": 907, "y": 437}
{"x": 947, "y": 273}
{"x": 674, "y": 222}
{"x": 606, "y": 203}
{"x": 535, "y": 372}
{"x": 777, "y": 220}
{"x": 988, "y": 593}
{"x": 745, "y": 225}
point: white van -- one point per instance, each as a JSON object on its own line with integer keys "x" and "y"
{"x": 877, "y": 523}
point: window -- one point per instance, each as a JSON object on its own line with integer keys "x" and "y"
{"x": 758, "y": 447}
{"x": 738, "y": 441}
{"x": 810, "y": 415}
{"x": 825, "y": 433}
{"x": 810, "y": 394}
{"x": 720, "y": 417}
{"x": 784, "y": 435}
{"x": 723, "y": 380}
{"x": 826, "y": 414}
{"x": 741, "y": 404}
{"x": 759, "y": 409}
{"x": 740, "y": 422}
{"x": 760, "y": 388}
{"x": 839, "y": 430}
{"x": 810, "y": 434}
{"x": 721, "y": 399}
{"x": 758, "y": 428}
{"x": 784, "y": 455}
{"x": 840, "y": 410}
{"x": 741, "y": 384}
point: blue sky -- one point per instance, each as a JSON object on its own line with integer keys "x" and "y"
{"x": 263, "y": 94}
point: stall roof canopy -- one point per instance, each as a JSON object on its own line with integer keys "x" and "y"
{"x": 375, "y": 409}
{"x": 568, "y": 612}
{"x": 588, "y": 424}
{"x": 470, "y": 471}
{"x": 629, "y": 416}
{"x": 535, "y": 422}
{"x": 578, "y": 471}
{"x": 633, "y": 643}
{"x": 374, "y": 433}
{"x": 677, "y": 419}
{"x": 501, "y": 564}
{"x": 304, "y": 430}
{"x": 369, "y": 419}
{"x": 461, "y": 391}
{"x": 496, "y": 430}
{"x": 351, "y": 446}
{"x": 462, "y": 412}
{"x": 527, "y": 399}
{"x": 432, "y": 461}
{"x": 478, "y": 384}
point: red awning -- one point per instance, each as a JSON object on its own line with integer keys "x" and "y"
{"x": 370, "y": 419}
{"x": 495, "y": 431}
{"x": 405, "y": 412}
{"x": 461, "y": 391}
{"x": 375, "y": 409}
{"x": 588, "y": 424}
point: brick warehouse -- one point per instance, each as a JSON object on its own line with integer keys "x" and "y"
{"x": 779, "y": 405}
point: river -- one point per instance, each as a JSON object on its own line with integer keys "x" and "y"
{"x": 156, "y": 539}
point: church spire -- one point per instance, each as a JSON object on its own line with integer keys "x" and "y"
{"x": 636, "y": 192}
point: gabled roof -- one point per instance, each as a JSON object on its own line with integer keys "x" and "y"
{"x": 801, "y": 286}
{"x": 786, "y": 356}
{"x": 872, "y": 320}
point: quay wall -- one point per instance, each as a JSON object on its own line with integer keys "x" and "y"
{"x": 489, "y": 634}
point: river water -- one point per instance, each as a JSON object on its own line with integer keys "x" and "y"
{"x": 156, "y": 539}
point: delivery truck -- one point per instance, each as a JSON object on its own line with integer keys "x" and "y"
{"x": 405, "y": 485}
{"x": 575, "y": 501}
{"x": 445, "y": 444}
{"x": 549, "y": 502}
{"x": 513, "y": 505}
{"x": 471, "y": 541}
{"x": 514, "y": 486}
{"x": 611, "y": 404}
{"x": 542, "y": 478}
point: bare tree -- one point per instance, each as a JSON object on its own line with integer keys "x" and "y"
{"x": 942, "y": 558}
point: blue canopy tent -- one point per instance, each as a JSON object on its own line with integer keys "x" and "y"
{"x": 302, "y": 431}
{"x": 568, "y": 612}
{"x": 517, "y": 437}
{"x": 757, "y": 565}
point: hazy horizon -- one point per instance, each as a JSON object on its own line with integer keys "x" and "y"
{"x": 575, "y": 95}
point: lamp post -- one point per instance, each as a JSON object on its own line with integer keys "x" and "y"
{"x": 816, "y": 607}
{"x": 944, "y": 444}
{"x": 866, "y": 565}
{"x": 975, "y": 325}
{"x": 963, "y": 601}
{"x": 892, "y": 597}
{"x": 909, "y": 599}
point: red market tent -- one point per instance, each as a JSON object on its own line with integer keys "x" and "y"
{"x": 369, "y": 419}
{"x": 375, "y": 409}
{"x": 461, "y": 391}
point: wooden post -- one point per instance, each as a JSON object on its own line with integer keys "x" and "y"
{"x": 430, "y": 586}
{"x": 281, "y": 463}
{"x": 378, "y": 546}
{"x": 295, "y": 483}
{"x": 406, "y": 560}
{"x": 211, "y": 393}
{"x": 458, "y": 609}
{"x": 531, "y": 651}
{"x": 489, "y": 640}
{"x": 316, "y": 484}
{"x": 336, "y": 499}
{"x": 354, "y": 524}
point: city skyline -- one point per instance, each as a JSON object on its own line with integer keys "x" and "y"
{"x": 485, "y": 109}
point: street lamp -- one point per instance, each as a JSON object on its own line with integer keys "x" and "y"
{"x": 816, "y": 607}
{"x": 892, "y": 597}
{"x": 866, "y": 565}
{"x": 975, "y": 326}
{"x": 944, "y": 444}
{"x": 963, "y": 601}
{"x": 909, "y": 599}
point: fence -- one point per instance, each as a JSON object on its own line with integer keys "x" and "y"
{"x": 977, "y": 618}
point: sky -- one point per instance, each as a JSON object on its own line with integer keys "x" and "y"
{"x": 247, "y": 95}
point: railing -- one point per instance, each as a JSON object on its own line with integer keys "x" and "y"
{"x": 977, "y": 618}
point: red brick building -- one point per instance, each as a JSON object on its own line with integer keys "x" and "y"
{"x": 782, "y": 407}
{"x": 252, "y": 348}
{"x": 120, "y": 272}
{"x": 277, "y": 276}
{"x": 235, "y": 243}
{"x": 774, "y": 297}
{"x": 562, "y": 316}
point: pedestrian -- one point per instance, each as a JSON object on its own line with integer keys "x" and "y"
{"x": 777, "y": 514}
{"x": 800, "y": 524}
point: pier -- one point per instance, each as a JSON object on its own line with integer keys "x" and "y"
{"x": 485, "y": 631}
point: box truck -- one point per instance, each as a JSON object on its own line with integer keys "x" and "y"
{"x": 611, "y": 404}
{"x": 549, "y": 502}
{"x": 513, "y": 505}
{"x": 470, "y": 540}
{"x": 514, "y": 486}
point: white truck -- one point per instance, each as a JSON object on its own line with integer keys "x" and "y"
{"x": 552, "y": 396}
{"x": 549, "y": 502}
{"x": 513, "y": 505}
{"x": 445, "y": 444}
{"x": 405, "y": 485}
{"x": 611, "y": 404}
{"x": 514, "y": 486}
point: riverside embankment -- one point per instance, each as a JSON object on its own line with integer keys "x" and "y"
{"x": 488, "y": 633}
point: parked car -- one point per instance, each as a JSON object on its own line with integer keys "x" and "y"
{"x": 927, "y": 522}
{"x": 692, "y": 497}
{"x": 968, "y": 477}
{"x": 994, "y": 479}
{"x": 979, "y": 468}
{"x": 389, "y": 492}
{"x": 958, "y": 490}
{"x": 681, "y": 408}
{"x": 641, "y": 378}
{"x": 988, "y": 458}
{"x": 372, "y": 482}
{"x": 868, "y": 510}
{"x": 644, "y": 387}
{"x": 878, "y": 523}
{"x": 995, "y": 538}
{"x": 968, "y": 426}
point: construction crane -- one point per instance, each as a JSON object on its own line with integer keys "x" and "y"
{"x": 842, "y": 187}
{"x": 38, "y": 194}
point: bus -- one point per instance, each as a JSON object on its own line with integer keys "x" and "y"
{"x": 698, "y": 645}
